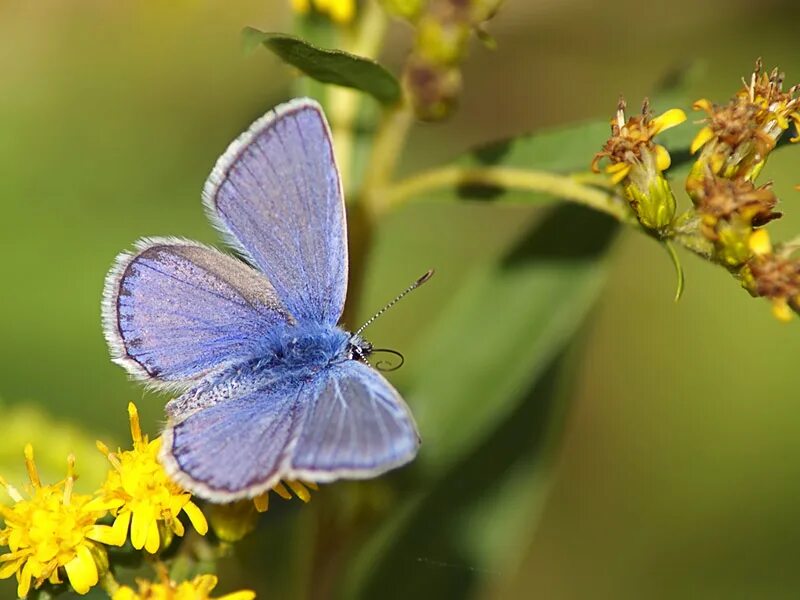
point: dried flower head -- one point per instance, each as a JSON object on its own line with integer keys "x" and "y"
{"x": 738, "y": 136}
{"x": 729, "y": 210}
{"x": 773, "y": 275}
{"x": 142, "y": 497}
{"x": 53, "y": 529}
{"x": 637, "y": 162}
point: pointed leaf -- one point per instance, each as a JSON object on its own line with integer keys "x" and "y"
{"x": 329, "y": 66}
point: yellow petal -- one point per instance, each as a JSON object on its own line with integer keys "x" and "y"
{"x": 101, "y": 504}
{"x": 152, "y": 542}
{"x": 241, "y": 595}
{"x": 342, "y": 11}
{"x": 125, "y": 593}
{"x": 300, "y": 6}
{"x": 299, "y": 490}
{"x": 136, "y": 430}
{"x": 781, "y": 310}
{"x": 82, "y": 570}
{"x": 702, "y": 137}
{"x": 282, "y": 491}
{"x": 796, "y": 118}
{"x": 618, "y": 172}
{"x": 177, "y": 527}
{"x": 205, "y": 584}
{"x": 196, "y": 517}
{"x": 759, "y": 242}
{"x": 702, "y": 104}
{"x": 663, "y": 160}
{"x": 9, "y": 568}
{"x": 24, "y": 580}
{"x": 105, "y": 535}
{"x": 667, "y": 120}
{"x": 262, "y": 502}
{"x": 140, "y": 526}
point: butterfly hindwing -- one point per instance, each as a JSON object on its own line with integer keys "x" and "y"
{"x": 276, "y": 195}
{"x": 231, "y": 439}
{"x": 356, "y": 425}
{"x": 176, "y": 310}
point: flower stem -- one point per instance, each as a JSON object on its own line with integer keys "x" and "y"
{"x": 343, "y": 102}
{"x": 386, "y": 150}
{"x": 560, "y": 186}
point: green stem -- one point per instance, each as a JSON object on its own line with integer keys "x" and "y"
{"x": 678, "y": 269}
{"x": 386, "y": 150}
{"x": 343, "y": 103}
{"x": 560, "y": 186}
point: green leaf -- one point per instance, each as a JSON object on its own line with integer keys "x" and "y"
{"x": 487, "y": 388}
{"x": 485, "y": 396}
{"x": 329, "y": 66}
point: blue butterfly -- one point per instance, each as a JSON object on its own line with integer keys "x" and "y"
{"x": 272, "y": 388}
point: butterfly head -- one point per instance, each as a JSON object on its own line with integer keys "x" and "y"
{"x": 358, "y": 348}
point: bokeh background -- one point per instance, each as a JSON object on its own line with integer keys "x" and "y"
{"x": 679, "y": 471}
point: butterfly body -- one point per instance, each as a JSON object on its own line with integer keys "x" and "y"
{"x": 271, "y": 387}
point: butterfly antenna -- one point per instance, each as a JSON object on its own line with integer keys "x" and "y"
{"x": 400, "y": 296}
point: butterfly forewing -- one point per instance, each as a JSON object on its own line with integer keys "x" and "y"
{"x": 176, "y": 310}
{"x": 276, "y": 195}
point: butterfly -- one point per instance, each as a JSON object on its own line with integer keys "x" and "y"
{"x": 270, "y": 386}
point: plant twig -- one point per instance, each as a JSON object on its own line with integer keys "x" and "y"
{"x": 559, "y": 186}
{"x": 343, "y": 103}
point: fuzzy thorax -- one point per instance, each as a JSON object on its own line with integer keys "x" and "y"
{"x": 306, "y": 346}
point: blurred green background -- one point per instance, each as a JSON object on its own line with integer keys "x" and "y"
{"x": 679, "y": 471}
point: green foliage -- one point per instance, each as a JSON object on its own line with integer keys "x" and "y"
{"x": 329, "y": 66}
{"x": 503, "y": 339}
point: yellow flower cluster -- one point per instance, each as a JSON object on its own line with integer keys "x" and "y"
{"x": 729, "y": 209}
{"x": 50, "y": 530}
{"x": 142, "y": 498}
{"x": 340, "y": 11}
{"x": 55, "y": 533}
{"x": 197, "y": 589}
{"x": 733, "y": 147}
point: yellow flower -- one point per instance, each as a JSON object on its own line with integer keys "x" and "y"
{"x": 52, "y": 529}
{"x": 198, "y": 589}
{"x": 341, "y": 11}
{"x": 142, "y": 497}
{"x": 637, "y": 162}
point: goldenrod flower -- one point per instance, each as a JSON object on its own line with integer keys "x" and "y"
{"x": 637, "y": 162}
{"x": 53, "y": 529}
{"x": 340, "y": 11}
{"x": 142, "y": 497}
{"x": 738, "y": 136}
{"x": 729, "y": 210}
{"x": 198, "y": 588}
{"x": 774, "y": 275}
